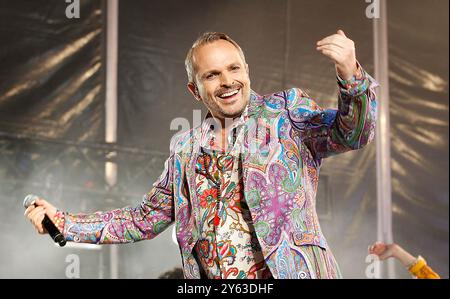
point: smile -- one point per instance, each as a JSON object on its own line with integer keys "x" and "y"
{"x": 229, "y": 94}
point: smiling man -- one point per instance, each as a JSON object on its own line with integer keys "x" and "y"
{"x": 241, "y": 187}
{"x": 218, "y": 76}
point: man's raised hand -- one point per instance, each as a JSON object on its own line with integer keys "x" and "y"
{"x": 341, "y": 50}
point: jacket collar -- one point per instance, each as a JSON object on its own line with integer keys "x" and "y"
{"x": 202, "y": 133}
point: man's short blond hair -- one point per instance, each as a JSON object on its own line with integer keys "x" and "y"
{"x": 205, "y": 38}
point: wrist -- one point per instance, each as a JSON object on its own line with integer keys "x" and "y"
{"x": 396, "y": 250}
{"x": 416, "y": 265}
{"x": 349, "y": 72}
{"x": 59, "y": 220}
{"x": 404, "y": 257}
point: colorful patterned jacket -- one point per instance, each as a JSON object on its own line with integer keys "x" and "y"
{"x": 282, "y": 146}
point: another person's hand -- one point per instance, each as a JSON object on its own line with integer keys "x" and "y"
{"x": 416, "y": 266}
{"x": 36, "y": 213}
{"x": 339, "y": 48}
{"x": 383, "y": 250}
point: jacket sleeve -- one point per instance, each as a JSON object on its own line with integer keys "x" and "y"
{"x": 421, "y": 270}
{"x": 151, "y": 217}
{"x": 332, "y": 131}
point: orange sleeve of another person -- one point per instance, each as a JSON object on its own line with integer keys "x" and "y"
{"x": 421, "y": 270}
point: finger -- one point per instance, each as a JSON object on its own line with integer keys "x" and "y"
{"x": 380, "y": 250}
{"x": 35, "y": 210}
{"x": 331, "y": 38}
{"x": 378, "y": 246}
{"x": 37, "y": 222}
{"x": 40, "y": 229}
{"x": 38, "y": 216}
{"x": 28, "y": 210}
{"x": 339, "y": 45}
{"x": 39, "y": 226}
{"x": 33, "y": 213}
{"x": 377, "y": 251}
{"x": 382, "y": 245}
{"x": 331, "y": 47}
{"x": 49, "y": 208}
{"x": 330, "y": 54}
{"x": 340, "y": 32}
{"x": 41, "y": 202}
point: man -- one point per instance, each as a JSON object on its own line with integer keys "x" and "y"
{"x": 241, "y": 187}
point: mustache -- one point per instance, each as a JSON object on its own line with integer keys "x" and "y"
{"x": 228, "y": 89}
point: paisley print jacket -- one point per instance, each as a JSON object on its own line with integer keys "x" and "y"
{"x": 286, "y": 137}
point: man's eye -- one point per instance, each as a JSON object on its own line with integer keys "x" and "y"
{"x": 234, "y": 68}
{"x": 210, "y": 76}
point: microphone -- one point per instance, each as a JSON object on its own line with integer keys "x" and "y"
{"x": 56, "y": 235}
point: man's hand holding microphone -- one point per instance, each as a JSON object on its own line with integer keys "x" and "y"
{"x": 42, "y": 214}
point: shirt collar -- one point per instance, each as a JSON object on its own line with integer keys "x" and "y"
{"x": 207, "y": 127}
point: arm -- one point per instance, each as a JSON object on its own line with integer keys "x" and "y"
{"x": 332, "y": 131}
{"x": 151, "y": 217}
{"x": 421, "y": 270}
{"x": 416, "y": 266}
{"x": 352, "y": 125}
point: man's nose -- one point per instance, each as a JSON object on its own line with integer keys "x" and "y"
{"x": 226, "y": 79}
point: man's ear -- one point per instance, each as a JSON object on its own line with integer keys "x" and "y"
{"x": 192, "y": 87}
{"x": 247, "y": 69}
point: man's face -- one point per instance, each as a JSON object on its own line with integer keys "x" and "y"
{"x": 221, "y": 78}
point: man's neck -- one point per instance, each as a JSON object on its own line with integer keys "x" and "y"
{"x": 226, "y": 125}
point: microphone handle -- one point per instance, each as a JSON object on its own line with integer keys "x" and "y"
{"x": 54, "y": 233}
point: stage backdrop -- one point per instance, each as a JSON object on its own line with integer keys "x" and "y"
{"x": 52, "y": 119}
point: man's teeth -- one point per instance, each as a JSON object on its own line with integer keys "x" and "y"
{"x": 229, "y": 94}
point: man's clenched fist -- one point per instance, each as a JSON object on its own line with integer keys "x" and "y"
{"x": 339, "y": 48}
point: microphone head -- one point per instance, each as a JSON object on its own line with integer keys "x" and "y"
{"x": 29, "y": 200}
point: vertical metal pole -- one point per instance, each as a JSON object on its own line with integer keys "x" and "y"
{"x": 384, "y": 199}
{"x": 112, "y": 19}
{"x": 287, "y": 44}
